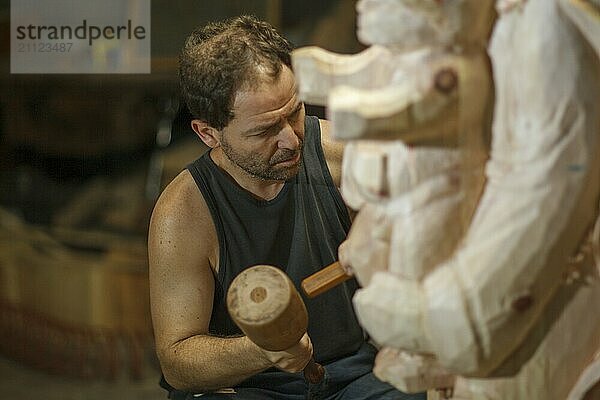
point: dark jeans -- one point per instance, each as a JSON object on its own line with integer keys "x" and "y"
{"x": 349, "y": 378}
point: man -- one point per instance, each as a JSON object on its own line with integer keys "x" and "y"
{"x": 263, "y": 194}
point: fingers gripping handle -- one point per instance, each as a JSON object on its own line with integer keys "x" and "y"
{"x": 325, "y": 279}
{"x": 313, "y": 372}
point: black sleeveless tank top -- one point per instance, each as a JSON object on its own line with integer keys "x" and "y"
{"x": 298, "y": 231}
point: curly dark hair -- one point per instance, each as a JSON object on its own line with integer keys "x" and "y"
{"x": 222, "y": 57}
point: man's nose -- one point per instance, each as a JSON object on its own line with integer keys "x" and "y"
{"x": 288, "y": 138}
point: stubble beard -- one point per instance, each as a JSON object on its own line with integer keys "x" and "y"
{"x": 267, "y": 170}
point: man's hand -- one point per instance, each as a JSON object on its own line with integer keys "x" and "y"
{"x": 366, "y": 250}
{"x": 293, "y": 359}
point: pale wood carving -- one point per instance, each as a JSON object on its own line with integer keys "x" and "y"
{"x": 511, "y": 293}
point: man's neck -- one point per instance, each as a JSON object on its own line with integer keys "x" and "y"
{"x": 258, "y": 188}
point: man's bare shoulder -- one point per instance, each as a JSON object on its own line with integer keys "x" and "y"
{"x": 182, "y": 217}
{"x": 181, "y": 202}
{"x": 333, "y": 150}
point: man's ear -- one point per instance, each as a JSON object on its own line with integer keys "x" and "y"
{"x": 209, "y": 135}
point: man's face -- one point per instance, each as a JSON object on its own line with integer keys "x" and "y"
{"x": 266, "y": 135}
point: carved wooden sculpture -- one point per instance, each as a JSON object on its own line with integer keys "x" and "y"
{"x": 514, "y": 296}
{"x": 433, "y": 96}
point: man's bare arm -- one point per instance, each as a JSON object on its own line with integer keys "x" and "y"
{"x": 334, "y": 152}
{"x": 182, "y": 246}
{"x": 334, "y": 155}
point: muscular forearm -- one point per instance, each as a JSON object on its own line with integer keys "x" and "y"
{"x": 202, "y": 363}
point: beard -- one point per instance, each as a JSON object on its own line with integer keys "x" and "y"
{"x": 265, "y": 169}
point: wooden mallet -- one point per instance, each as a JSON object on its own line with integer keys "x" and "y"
{"x": 264, "y": 303}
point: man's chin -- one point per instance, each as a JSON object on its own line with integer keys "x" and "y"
{"x": 282, "y": 171}
{"x": 282, "y": 174}
{"x": 287, "y": 173}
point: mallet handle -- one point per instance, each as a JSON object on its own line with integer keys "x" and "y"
{"x": 325, "y": 279}
{"x": 313, "y": 372}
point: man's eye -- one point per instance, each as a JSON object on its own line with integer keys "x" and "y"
{"x": 264, "y": 132}
{"x": 296, "y": 113}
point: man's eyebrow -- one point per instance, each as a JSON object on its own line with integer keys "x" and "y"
{"x": 268, "y": 125}
{"x": 261, "y": 127}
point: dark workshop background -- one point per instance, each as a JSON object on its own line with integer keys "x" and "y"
{"x": 82, "y": 160}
